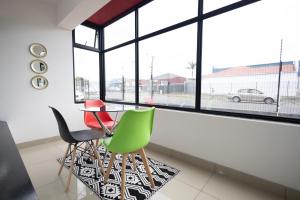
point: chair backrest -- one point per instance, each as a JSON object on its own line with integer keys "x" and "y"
{"x": 133, "y": 131}
{"x": 89, "y": 117}
{"x": 63, "y": 127}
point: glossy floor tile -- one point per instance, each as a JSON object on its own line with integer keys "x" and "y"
{"x": 176, "y": 190}
{"x": 227, "y": 189}
{"x": 192, "y": 183}
{"x": 205, "y": 196}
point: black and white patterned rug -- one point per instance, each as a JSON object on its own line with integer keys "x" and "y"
{"x": 137, "y": 184}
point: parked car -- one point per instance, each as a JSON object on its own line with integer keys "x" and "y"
{"x": 250, "y": 95}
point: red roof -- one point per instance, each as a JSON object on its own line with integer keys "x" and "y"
{"x": 251, "y": 71}
{"x": 171, "y": 78}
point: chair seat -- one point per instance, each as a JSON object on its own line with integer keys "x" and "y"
{"x": 95, "y": 124}
{"x": 87, "y": 135}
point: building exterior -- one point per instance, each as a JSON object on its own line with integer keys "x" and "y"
{"x": 263, "y": 77}
{"x": 82, "y": 86}
{"x": 165, "y": 83}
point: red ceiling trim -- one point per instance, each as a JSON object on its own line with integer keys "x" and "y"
{"x": 112, "y": 10}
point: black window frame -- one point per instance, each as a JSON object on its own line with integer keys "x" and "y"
{"x": 199, "y": 20}
{"x": 88, "y": 48}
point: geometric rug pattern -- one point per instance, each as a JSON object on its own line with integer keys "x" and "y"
{"x": 137, "y": 184}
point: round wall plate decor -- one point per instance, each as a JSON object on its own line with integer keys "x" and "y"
{"x": 39, "y": 82}
{"x": 38, "y": 50}
{"x": 39, "y": 66}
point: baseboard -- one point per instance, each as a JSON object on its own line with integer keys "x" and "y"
{"x": 37, "y": 142}
{"x": 182, "y": 156}
{"x": 280, "y": 190}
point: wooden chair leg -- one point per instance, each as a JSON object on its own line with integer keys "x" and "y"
{"x": 71, "y": 168}
{"x": 123, "y": 176}
{"x": 64, "y": 159}
{"x": 90, "y": 150}
{"x": 100, "y": 132}
{"x": 110, "y": 164}
{"x": 98, "y": 157}
{"x": 133, "y": 161}
{"x": 105, "y": 154}
{"x": 145, "y": 161}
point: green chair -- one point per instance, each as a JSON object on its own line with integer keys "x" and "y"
{"x": 130, "y": 137}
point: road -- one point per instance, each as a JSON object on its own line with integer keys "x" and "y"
{"x": 287, "y": 108}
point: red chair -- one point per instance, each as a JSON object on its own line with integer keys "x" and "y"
{"x": 91, "y": 121}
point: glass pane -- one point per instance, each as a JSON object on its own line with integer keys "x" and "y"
{"x": 120, "y": 31}
{"x": 241, "y": 53}
{"x": 120, "y": 74}
{"x": 162, "y": 13}
{"x": 86, "y": 36}
{"x": 167, "y": 68}
{"x": 210, "y": 5}
{"x": 86, "y": 74}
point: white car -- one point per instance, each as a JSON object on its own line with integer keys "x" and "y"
{"x": 250, "y": 95}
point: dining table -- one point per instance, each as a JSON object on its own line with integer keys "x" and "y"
{"x": 111, "y": 108}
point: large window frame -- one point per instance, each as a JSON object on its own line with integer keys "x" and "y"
{"x": 87, "y": 48}
{"x": 199, "y": 20}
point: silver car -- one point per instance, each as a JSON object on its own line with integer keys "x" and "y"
{"x": 250, "y": 95}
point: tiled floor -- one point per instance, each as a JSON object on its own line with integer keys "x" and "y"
{"x": 192, "y": 183}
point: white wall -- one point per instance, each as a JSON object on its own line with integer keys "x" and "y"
{"x": 24, "y": 108}
{"x": 265, "y": 149}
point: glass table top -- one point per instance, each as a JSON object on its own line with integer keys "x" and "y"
{"x": 111, "y": 108}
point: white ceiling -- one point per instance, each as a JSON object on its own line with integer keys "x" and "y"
{"x": 71, "y": 13}
{"x": 52, "y": 2}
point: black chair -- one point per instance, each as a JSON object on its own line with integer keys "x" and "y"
{"x": 77, "y": 139}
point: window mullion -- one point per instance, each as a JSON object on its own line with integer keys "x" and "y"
{"x": 199, "y": 56}
{"x": 101, "y": 64}
{"x": 136, "y": 57}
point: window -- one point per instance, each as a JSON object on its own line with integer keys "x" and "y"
{"x": 253, "y": 91}
{"x": 209, "y": 5}
{"x": 243, "y": 91}
{"x": 159, "y": 14}
{"x": 120, "y": 74}
{"x": 120, "y": 31}
{"x": 167, "y": 68}
{"x": 86, "y": 36}
{"x": 229, "y": 62}
{"x": 242, "y": 51}
{"x": 86, "y": 64}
